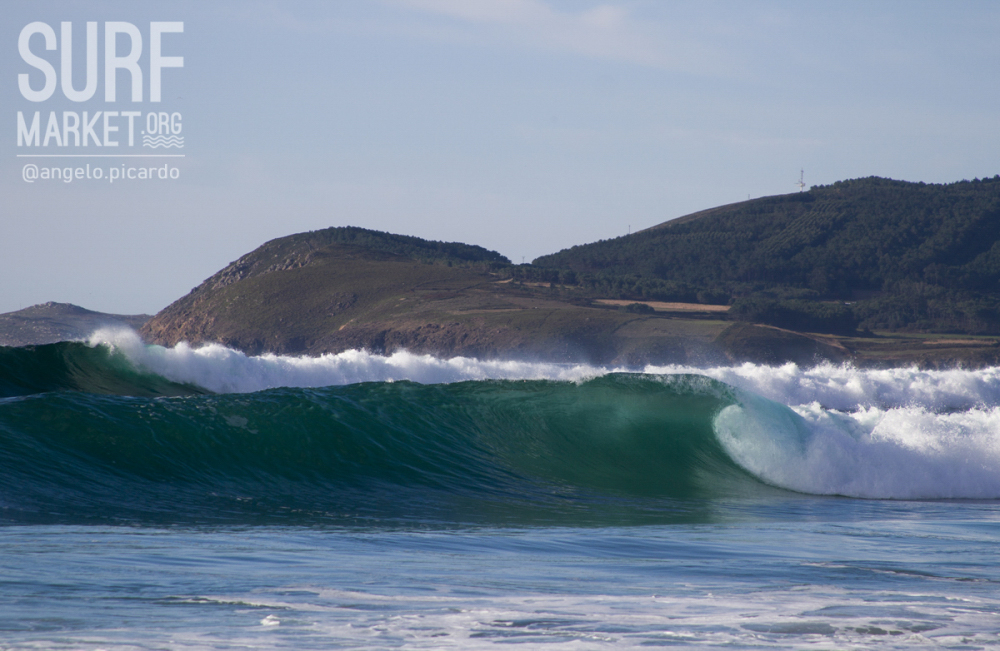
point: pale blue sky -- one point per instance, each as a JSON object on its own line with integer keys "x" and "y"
{"x": 524, "y": 126}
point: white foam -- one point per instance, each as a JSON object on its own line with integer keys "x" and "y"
{"x": 847, "y": 388}
{"x": 224, "y": 370}
{"x": 221, "y": 369}
{"x": 898, "y": 453}
{"x": 685, "y": 615}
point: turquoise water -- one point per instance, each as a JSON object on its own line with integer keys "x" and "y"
{"x": 170, "y": 498}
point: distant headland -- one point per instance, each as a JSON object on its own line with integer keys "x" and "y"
{"x": 869, "y": 271}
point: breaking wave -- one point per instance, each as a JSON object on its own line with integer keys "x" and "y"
{"x": 114, "y": 428}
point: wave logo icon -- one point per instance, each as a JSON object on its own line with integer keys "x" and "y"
{"x": 163, "y": 141}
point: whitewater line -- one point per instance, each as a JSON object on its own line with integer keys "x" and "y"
{"x": 842, "y": 387}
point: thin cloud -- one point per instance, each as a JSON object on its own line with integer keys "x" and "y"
{"x": 603, "y": 32}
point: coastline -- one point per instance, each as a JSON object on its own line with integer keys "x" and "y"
{"x": 554, "y": 331}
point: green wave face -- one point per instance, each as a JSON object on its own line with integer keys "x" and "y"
{"x": 619, "y": 447}
{"x": 74, "y": 366}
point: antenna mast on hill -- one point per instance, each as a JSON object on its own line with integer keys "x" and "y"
{"x": 802, "y": 180}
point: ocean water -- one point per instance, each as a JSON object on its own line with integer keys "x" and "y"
{"x": 155, "y": 498}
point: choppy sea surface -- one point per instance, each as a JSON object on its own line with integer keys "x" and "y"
{"x": 155, "y": 498}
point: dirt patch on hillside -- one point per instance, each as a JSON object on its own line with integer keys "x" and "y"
{"x": 661, "y": 306}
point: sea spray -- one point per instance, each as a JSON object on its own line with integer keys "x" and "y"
{"x": 846, "y": 388}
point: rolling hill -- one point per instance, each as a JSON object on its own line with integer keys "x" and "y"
{"x": 342, "y": 288}
{"x": 907, "y": 256}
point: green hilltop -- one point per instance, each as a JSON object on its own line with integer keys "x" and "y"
{"x": 906, "y": 256}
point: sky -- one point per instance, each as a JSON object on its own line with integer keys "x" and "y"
{"x": 525, "y": 126}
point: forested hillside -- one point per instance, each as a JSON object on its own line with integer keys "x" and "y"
{"x": 872, "y": 252}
